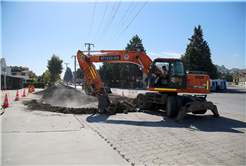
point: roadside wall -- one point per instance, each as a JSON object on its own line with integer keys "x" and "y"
{"x": 127, "y": 92}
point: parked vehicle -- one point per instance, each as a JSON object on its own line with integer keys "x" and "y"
{"x": 219, "y": 84}
{"x": 213, "y": 85}
{"x": 225, "y": 86}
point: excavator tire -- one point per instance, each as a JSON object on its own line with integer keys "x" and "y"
{"x": 171, "y": 105}
{"x": 142, "y": 102}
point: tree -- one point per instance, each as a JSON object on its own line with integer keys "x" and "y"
{"x": 133, "y": 69}
{"x": 68, "y": 75}
{"x": 55, "y": 68}
{"x": 115, "y": 71}
{"x": 46, "y": 76}
{"x": 79, "y": 74}
{"x": 198, "y": 56}
{"x": 228, "y": 77}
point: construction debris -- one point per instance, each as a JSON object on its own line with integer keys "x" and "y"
{"x": 68, "y": 100}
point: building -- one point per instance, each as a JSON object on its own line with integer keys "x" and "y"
{"x": 13, "y": 77}
{"x": 240, "y": 79}
{"x": 22, "y": 72}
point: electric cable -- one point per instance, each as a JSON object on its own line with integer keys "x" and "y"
{"x": 126, "y": 18}
{"x": 111, "y": 21}
{"x": 101, "y": 22}
{"x": 129, "y": 24}
{"x": 118, "y": 24}
{"x": 106, "y": 23}
{"x": 92, "y": 20}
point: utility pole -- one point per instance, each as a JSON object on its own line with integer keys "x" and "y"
{"x": 89, "y": 47}
{"x": 66, "y": 70}
{"x": 74, "y": 69}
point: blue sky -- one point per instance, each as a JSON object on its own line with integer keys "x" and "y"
{"x": 31, "y": 32}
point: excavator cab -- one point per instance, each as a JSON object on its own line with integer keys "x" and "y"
{"x": 174, "y": 75}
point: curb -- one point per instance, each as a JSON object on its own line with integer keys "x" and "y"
{"x": 2, "y": 111}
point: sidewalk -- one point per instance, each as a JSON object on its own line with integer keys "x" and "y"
{"x": 40, "y": 138}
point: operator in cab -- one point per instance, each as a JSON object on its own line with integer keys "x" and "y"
{"x": 162, "y": 79}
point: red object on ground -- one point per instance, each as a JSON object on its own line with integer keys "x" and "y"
{"x": 6, "y": 102}
{"x": 24, "y": 93}
{"x": 17, "y": 96}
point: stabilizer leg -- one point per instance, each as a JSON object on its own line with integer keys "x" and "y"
{"x": 181, "y": 114}
{"x": 215, "y": 111}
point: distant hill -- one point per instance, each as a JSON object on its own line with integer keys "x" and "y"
{"x": 223, "y": 69}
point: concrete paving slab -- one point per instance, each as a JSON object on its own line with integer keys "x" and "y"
{"x": 41, "y": 138}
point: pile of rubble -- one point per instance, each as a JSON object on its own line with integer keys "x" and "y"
{"x": 67, "y": 100}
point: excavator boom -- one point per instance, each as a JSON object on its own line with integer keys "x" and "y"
{"x": 91, "y": 75}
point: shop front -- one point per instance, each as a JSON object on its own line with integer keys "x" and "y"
{"x": 8, "y": 80}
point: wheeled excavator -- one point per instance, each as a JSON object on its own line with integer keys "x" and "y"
{"x": 163, "y": 91}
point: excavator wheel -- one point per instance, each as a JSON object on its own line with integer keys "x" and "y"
{"x": 142, "y": 102}
{"x": 171, "y": 105}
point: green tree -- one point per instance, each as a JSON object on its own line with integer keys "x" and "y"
{"x": 198, "y": 55}
{"x": 113, "y": 71}
{"x": 55, "y": 68}
{"x": 68, "y": 75}
{"x": 219, "y": 74}
{"x": 129, "y": 69}
{"x": 228, "y": 77}
{"x": 46, "y": 76}
{"x": 79, "y": 74}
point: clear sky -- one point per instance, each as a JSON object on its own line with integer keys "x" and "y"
{"x": 31, "y": 32}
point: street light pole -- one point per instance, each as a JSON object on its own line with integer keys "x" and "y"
{"x": 89, "y": 47}
{"x": 74, "y": 69}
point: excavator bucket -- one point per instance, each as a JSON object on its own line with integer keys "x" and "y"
{"x": 103, "y": 103}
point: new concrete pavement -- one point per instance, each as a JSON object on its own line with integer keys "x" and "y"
{"x": 45, "y": 138}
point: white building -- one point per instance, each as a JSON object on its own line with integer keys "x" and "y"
{"x": 13, "y": 77}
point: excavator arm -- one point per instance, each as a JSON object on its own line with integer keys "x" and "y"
{"x": 91, "y": 75}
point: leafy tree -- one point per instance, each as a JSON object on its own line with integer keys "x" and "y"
{"x": 46, "y": 76}
{"x": 68, "y": 75}
{"x": 219, "y": 74}
{"x": 115, "y": 71}
{"x": 198, "y": 56}
{"x": 235, "y": 74}
{"x": 79, "y": 74}
{"x": 228, "y": 77}
{"x": 33, "y": 80}
{"x": 55, "y": 68}
{"x": 130, "y": 69}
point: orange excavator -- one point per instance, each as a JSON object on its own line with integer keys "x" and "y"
{"x": 164, "y": 87}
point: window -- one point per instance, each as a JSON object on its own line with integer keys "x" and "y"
{"x": 23, "y": 74}
{"x": 177, "y": 68}
{"x": 14, "y": 74}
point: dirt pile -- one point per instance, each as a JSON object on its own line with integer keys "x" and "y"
{"x": 66, "y": 96}
{"x": 68, "y": 100}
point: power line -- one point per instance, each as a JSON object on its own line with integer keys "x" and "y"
{"x": 118, "y": 24}
{"x": 127, "y": 18}
{"x": 107, "y": 22}
{"x": 111, "y": 21}
{"x": 101, "y": 21}
{"x": 129, "y": 23}
{"x": 92, "y": 20}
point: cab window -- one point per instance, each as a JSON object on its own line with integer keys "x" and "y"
{"x": 177, "y": 68}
